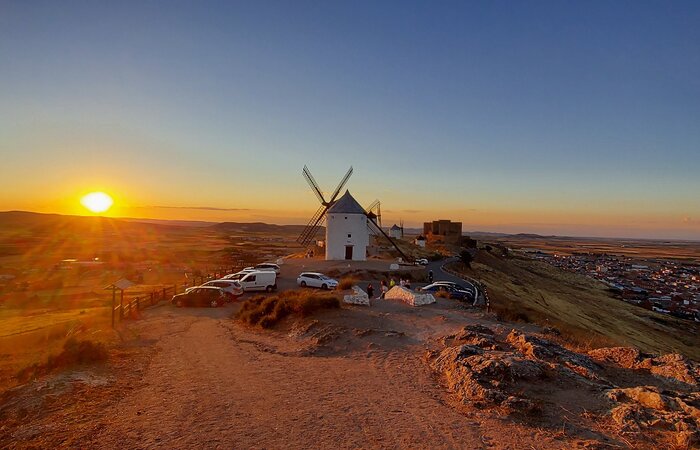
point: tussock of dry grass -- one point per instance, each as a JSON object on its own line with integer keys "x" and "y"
{"x": 268, "y": 311}
{"x": 75, "y": 352}
{"x": 347, "y": 283}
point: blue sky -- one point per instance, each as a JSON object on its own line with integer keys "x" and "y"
{"x": 565, "y": 117}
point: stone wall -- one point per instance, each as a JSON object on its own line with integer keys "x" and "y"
{"x": 409, "y": 297}
{"x": 358, "y": 297}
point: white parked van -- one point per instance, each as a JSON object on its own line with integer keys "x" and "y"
{"x": 259, "y": 280}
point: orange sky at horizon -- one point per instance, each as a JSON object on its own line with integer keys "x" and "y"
{"x": 508, "y": 220}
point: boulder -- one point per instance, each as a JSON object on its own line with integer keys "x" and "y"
{"x": 408, "y": 296}
{"x": 537, "y": 348}
{"x": 358, "y": 297}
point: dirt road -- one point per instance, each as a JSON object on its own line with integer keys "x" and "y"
{"x": 211, "y": 385}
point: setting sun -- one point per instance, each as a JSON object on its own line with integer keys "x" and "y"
{"x": 97, "y": 202}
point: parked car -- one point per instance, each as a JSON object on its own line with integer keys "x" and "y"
{"x": 231, "y": 287}
{"x": 268, "y": 266}
{"x": 317, "y": 280}
{"x": 200, "y": 296}
{"x": 422, "y": 262}
{"x": 238, "y": 275}
{"x": 470, "y": 288}
{"x": 453, "y": 293}
{"x": 260, "y": 280}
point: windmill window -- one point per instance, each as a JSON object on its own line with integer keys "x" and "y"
{"x": 349, "y": 235}
{"x": 346, "y": 217}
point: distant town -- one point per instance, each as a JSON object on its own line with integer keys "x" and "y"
{"x": 665, "y": 286}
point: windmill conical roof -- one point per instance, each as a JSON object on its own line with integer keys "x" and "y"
{"x": 346, "y": 205}
{"x": 395, "y": 227}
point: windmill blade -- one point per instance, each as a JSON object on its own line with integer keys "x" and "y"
{"x": 311, "y": 229}
{"x": 341, "y": 185}
{"x": 374, "y": 226}
{"x": 376, "y": 208}
{"x": 314, "y": 186}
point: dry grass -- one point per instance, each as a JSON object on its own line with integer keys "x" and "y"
{"x": 581, "y": 308}
{"x": 347, "y": 283}
{"x": 442, "y": 294}
{"x": 75, "y": 352}
{"x": 266, "y": 312}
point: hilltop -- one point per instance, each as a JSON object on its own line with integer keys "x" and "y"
{"x": 583, "y": 309}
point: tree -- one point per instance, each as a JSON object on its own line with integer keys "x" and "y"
{"x": 466, "y": 258}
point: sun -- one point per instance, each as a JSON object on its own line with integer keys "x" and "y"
{"x": 97, "y": 202}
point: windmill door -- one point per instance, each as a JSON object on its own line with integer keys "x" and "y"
{"x": 348, "y": 252}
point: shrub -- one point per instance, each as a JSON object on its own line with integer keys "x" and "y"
{"x": 347, "y": 282}
{"x": 442, "y": 294}
{"x": 266, "y": 312}
{"x": 466, "y": 257}
{"x": 75, "y": 352}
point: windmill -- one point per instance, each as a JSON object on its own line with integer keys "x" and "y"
{"x": 347, "y": 223}
{"x": 312, "y": 227}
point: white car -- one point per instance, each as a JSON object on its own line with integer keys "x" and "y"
{"x": 268, "y": 266}
{"x": 317, "y": 280}
{"x": 422, "y": 262}
{"x": 238, "y": 275}
{"x": 232, "y": 287}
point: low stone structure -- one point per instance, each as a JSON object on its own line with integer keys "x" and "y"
{"x": 358, "y": 297}
{"x": 408, "y": 296}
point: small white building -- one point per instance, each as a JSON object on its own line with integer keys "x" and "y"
{"x": 395, "y": 232}
{"x": 347, "y": 235}
{"x": 420, "y": 241}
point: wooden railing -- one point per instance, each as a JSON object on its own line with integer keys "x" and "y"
{"x": 124, "y": 310}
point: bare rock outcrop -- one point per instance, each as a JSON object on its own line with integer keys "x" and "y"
{"x": 671, "y": 366}
{"x": 537, "y": 348}
{"x": 648, "y": 407}
{"x": 476, "y": 335}
{"x": 484, "y": 377}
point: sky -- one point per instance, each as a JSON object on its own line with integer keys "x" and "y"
{"x": 563, "y": 117}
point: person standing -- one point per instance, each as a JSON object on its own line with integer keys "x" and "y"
{"x": 384, "y": 289}
{"x": 370, "y": 290}
{"x": 430, "y": 276}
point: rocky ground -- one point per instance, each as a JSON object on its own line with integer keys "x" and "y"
{"x": 384, "y": 376}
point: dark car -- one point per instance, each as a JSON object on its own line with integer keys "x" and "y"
{"x": 200, "y": 296}
{"x": 455, "y": 294}
{"x": 468, "y": 288}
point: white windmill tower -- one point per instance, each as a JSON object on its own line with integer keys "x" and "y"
{"x": 348, "y": 224}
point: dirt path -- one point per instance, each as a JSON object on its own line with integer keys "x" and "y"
{"x": 210, "y": 385}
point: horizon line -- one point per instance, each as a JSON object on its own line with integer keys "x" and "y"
{"x": 137, "y": 219}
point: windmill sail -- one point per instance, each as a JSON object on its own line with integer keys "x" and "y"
{"x": 341, "y": 185}
{"x": 314, "y": 186}
{"x": 311, "y": 229}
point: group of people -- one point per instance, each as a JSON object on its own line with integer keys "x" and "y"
{"x": 384, "y": 287}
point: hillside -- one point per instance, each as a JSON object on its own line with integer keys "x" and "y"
{"x": 533, "y": 291}
{"x": 258, "y": 227}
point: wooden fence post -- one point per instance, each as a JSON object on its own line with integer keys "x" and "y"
{"x": 114, "y": 300}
